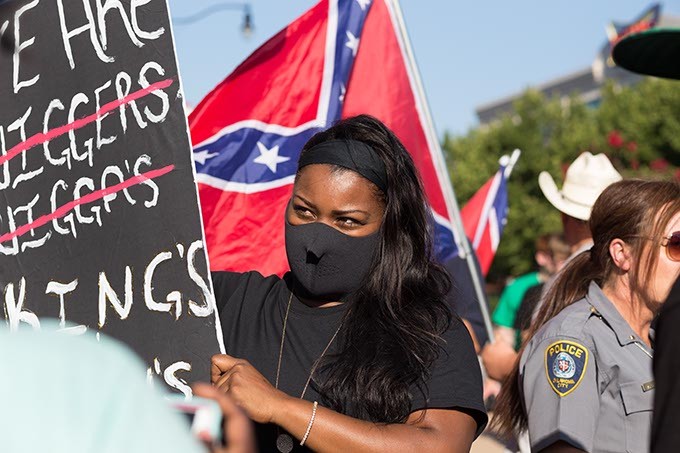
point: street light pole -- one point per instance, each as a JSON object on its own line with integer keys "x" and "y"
{"x": 246, "y": 27}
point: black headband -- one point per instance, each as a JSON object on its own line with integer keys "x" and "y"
{"x": 351, "y": 154}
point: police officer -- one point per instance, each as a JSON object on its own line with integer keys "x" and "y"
{"x": 584, "y": 380}
{"x": 587, "y": 379}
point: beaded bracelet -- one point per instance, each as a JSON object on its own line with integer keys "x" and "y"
{"x": 311, "y": 422}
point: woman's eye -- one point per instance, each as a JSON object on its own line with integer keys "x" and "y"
{"x": 303, "y": 212}
{"x": 348, "y": 222}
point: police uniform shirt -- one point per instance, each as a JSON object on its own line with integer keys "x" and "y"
{"x": 586, "y": 379}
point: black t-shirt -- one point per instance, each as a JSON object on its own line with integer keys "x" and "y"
{"x": 666, "y": 419}
{"x": 252, "y": 309}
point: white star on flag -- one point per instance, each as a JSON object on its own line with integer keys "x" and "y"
{"x": 343, "y": 90}
{"x": 363, "y": 4}
{"x": 202, "y": 156}
{"x": 352, "y": 43}
{"x": 269, "y": 157}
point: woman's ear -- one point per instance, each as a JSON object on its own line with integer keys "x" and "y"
{"x": 620, "y": 253}
{"x": 542, "y": 259}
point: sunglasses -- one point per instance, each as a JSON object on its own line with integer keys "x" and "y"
{"x": 672, "y": 244}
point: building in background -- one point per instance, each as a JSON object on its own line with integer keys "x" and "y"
{"x": 587, "y": 83}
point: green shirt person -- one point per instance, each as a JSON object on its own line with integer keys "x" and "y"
{"x": 511, "y": 298}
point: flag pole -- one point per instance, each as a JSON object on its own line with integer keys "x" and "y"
{"x": 512, "y": 160}
{"x": 449, "y": 194}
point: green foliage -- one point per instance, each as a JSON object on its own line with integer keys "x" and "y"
{"x": 637, "y": 127}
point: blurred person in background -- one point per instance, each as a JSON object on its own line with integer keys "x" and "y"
{"x": 585, "y": 180}
{"x": 584, "y": 381}
{"x": 498, "y": 357}
{"x": 559, "y": 252}
{"x": 551, "y": 251}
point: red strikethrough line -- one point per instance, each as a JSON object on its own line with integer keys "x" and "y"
{"x": 89, "y": 198}
{"x": 43, "y": 137}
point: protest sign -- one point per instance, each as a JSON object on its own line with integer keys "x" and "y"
{"x": 99, "y": 218}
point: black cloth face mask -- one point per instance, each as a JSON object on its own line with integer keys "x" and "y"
{"x": 328, "y": 264}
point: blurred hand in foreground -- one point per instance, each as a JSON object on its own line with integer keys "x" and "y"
{"x": 238, "y": 429}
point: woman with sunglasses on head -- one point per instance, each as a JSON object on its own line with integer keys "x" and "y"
{"x": 584, "y": 379}
{"x": 355, "y": 349}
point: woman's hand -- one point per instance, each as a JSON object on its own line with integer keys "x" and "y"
{"x": 246, "y": 387}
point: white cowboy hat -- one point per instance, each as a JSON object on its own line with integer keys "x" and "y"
{"x": 586, "y": 178}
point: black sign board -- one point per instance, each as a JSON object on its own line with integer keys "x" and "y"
{"x": 99, "y": 219}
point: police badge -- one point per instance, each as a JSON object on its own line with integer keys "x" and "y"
{"x": 565, "y": 365}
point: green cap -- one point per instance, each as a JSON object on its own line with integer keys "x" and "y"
{"x": 654, "y": 52}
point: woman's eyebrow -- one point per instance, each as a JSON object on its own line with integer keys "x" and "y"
{"x": 349, "y": 211}
{"x": 305, "y": 201}
{"x": 336, "y": 212}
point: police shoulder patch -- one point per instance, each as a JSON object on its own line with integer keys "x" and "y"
{"x": 565, "y": 365}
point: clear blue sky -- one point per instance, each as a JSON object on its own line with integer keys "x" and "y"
{"x": 469, "y": 52}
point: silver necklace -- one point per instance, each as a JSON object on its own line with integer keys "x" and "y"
{"x": 284, "y": 441}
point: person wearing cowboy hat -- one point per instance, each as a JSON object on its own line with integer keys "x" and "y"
{"x": 585, "y": 180}
{"x": 656, "y": 52}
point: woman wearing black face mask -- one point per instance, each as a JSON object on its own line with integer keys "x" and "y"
{"x": 355, "y": 348}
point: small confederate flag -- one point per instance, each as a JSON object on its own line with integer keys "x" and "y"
{"x": 485, "y": 214}
{"x": 339, "y": 59}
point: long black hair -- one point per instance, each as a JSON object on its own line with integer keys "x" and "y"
{"x": 391, "y": 333}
